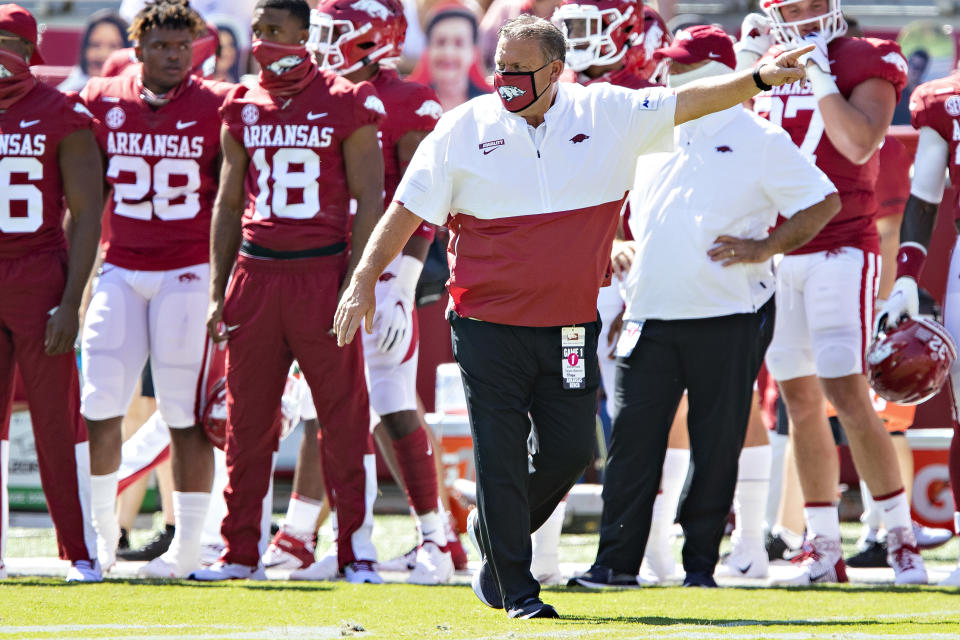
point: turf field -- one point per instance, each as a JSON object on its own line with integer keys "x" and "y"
{"x": 34, "y": 608}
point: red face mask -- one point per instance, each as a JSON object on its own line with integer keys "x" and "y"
{"x": 16, "y": 80}
{"x": 205, "y": 55}
{"x": 284, "y": 69}
{"x": 518, "y": 89}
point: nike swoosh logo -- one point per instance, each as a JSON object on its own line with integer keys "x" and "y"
{"x": 110, "y": 99}
{"x": 184, "y": 125}
{"x": 713, "y": 55}
{"x": 818, "y": 577}
{"x": 315, "y": 116}
{"x": 744, "y": 570}
{"x": 489, "y": 151}
{"x": 230, "y": 328}
{"x": 27, "y": 123}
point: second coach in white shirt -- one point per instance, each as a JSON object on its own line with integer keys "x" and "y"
{"x": 530, "y": 180}
{"x": 700, "y": 311}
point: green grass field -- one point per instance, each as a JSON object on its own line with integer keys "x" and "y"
{"x": 35, "y": 608}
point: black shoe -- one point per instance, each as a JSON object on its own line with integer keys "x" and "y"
{"x": 156, "y": 547}
{"x": 124, "y": 543}
{"x": 598, "y": 577}
{"x": 776, "y": 547}
{"x": 485, "y": 587}
{"x": 697, "y": 579}
{"x": 532, "y": 608}
{"x": 874, "y": 555}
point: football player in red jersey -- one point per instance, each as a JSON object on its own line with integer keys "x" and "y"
{"x": 159, "y": 132}
{"x": 935, "y": 111}
{"x": 48, "y": 157}
{"x": 826, "y": 290}
{"x": 351, "y": 39}
{"x": 296, "y": 148}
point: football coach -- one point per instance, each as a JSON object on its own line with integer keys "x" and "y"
{"x": 530, "y": 181}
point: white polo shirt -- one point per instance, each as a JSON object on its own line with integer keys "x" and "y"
{"x": 532, "y": 222}
{"x": 731, "y": 173}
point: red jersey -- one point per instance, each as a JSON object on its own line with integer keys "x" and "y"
{"x": 794, "y": 107}
{"x": 162, "y": 167}
{"x": 936, "y": 104}
{"x": 893, "y": 186}
{"x": 297, "y": 194}
{"x": 31, "y": 189}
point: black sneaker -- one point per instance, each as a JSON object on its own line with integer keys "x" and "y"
{"x": 697, "y": 579}
{"x": 124, "y": 543}
{"x": 485, "y": 587}
{"x": 776, "y": 547}
{"x": 874, "y": 555}
{"x": 153, "y": 549}
{"x": 533, "y": 608}
{"x": 598, "y": 577}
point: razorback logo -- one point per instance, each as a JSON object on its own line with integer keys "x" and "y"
{"x": 386, "y": 276}
{"x": 896, "y": 60}
{"x": 373, "y": 103}
{"x": 284, "y": 64}
{"x": 724, "y": 149}
{"x": 189, "y": 276}
{"x": 430, "y": 108}
{"x": 508, "y": 93}
{"x": 372, "y": 8}
{"x": 580, "y": 137}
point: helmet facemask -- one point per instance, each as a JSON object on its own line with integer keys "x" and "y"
{"x": 329, "y": 38}
{"x": 830, "y": 25}
{"x": 588, "y": 30}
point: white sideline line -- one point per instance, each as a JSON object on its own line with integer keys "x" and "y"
{"x": 220, "y": 632}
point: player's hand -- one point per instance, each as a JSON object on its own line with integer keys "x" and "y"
{"x": 731, "y": 250}
{"x": 819, "y": 56}
{"x": 755, "y": 34}
{"x": 616, "y": 326}
{"x": 357, "y": 306}
{"x": 391, "y": 321}
{"x": 62, "y": 329}
{"x": 621, "y": 257}
{"x": 215, "y": 327}
{"x": 785, "y": 68}
{"x": 903, "y": 303}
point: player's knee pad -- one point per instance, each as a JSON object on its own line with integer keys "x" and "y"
{"x": 838, "y": 355}
{"x": 392, "y": 393}
{"x": 104, "y": 388}
{"x": 786, "y": 363}
{"x": 175, "y": 389}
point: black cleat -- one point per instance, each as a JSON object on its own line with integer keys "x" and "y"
{"x": 485, "y": 587}
{"x": 532, "y": 608}
{"x": 697, "y": 579}
{"x": 873, "y": 555}
{"x": 153, "y": 549}
{"x": 124, "y": 543}
{"x": 598, "y": 577}
{"x": 776, "y": 547}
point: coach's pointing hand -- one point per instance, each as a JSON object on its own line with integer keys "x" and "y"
{"x": 357, "y": 305}
{"x": 785, "y": 68}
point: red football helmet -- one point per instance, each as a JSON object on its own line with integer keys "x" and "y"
{"x": 346, "y": 35}
{"x": 599, "y": 32}
{"x": 656, "y": 35}
{"x": 830, "y": 25}
{"x": 214, "y": 415}
{"x": 909, "y": 363}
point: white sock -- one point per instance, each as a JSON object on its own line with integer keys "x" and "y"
{"x": 870, "y": 516}
{"x": 778, "y": 446}
{"x": 750, "y": 498}
{"x": 103, "y": 503}
{"x": 447, "y": 522}
{"x": 189, "y": 513}
{"x": 431, "y": 528}
{"x": 302, "y": 515}
{"x": 546, "y": 544}
{"x": 793, "y": 539}
{"x": 895, "y": 511}
{"x": 822, "y": 521}
{"x": 675, "y": 466}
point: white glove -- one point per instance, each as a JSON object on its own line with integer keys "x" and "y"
{"x": 903, "y": 303}
{"x": 755, "y": 34}
{"x": 819, "y": 56}
{"x": 395, "y": 300}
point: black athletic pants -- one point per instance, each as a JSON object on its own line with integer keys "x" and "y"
{"x": 716, "y": 360}
{"x": 511, "y": 375}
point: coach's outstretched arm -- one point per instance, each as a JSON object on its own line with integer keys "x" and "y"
{"x": 225, "y": 228}
{"x": 358, "y": 303}
{"x": 710, "y": 95}
{"x": 81, "y": 168}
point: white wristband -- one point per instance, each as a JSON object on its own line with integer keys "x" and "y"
{"x": 408, "y": 273}
{"x": 822, "y": 82}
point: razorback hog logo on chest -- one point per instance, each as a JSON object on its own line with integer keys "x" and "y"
{"x": 580, "y": 137}
{"x": 509, "y": 93}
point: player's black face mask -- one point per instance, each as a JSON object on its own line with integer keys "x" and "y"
{"x": 518, "y": 89}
